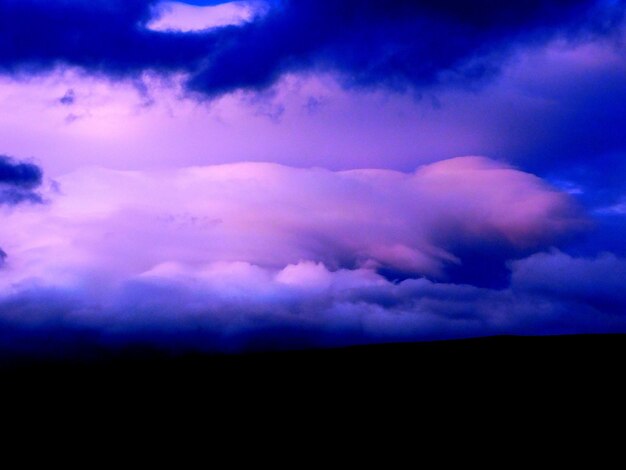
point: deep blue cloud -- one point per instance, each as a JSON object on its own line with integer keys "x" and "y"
{"x": 19, "y": 181}
{"x": 395, "y": 43}
{"x": 21, "y": 175}
{"x": 104, "y": 36}
{"x": 576, "y": 135}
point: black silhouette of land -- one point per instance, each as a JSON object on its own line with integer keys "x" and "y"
{"x": 461, "y": 398}
{"x": 482, "y": 371}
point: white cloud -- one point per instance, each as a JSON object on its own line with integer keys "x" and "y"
{"x": 176, "y": 16}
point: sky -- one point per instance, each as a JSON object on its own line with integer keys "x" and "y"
{"x": 283, "y": 174}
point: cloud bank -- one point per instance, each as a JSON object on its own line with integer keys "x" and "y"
{"x": 419, "y": 224}
{"x": 261, "y": 255}
{"x": 237, "y": 306}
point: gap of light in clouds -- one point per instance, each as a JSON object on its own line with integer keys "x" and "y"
{"x": 177, "y": 16}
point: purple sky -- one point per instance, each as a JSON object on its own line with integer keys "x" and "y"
{"x": 257, "y": 174}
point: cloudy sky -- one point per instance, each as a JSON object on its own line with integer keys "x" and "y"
{"x": 255, "y": 174}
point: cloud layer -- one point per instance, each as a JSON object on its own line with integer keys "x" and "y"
{"x": 238, "y": 306}
{"x": 262, "y": 255}
{"x": 416, "y": 224}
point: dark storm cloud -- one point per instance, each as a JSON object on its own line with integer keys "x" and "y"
{"x": 394, "y": 43}
{"x": 19, "y": 181}
{"x": 106, "y": 36}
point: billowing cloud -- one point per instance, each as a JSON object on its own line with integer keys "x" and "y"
{"x": 235, "y": 306}
{"x": 393, "y": 43}
{"x": 412, "y": 224}
{"x": 263, "y": 255}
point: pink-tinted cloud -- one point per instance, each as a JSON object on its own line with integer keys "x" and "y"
{"x": 234, "y": 256}
{"x": 123, "y": 224}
